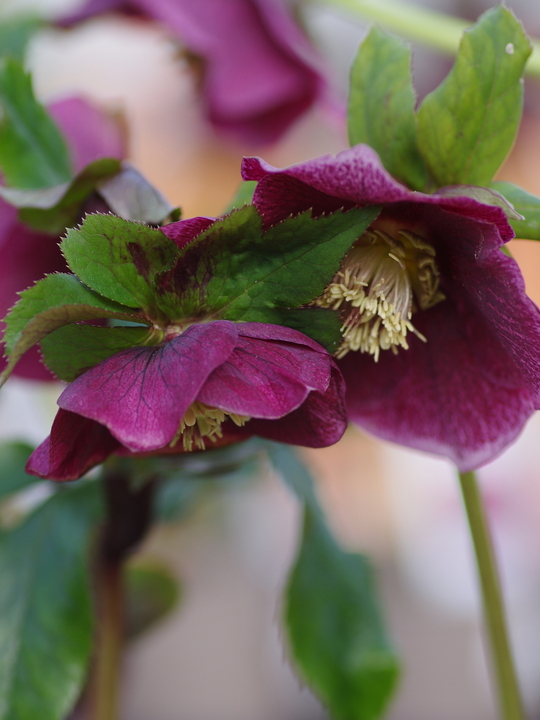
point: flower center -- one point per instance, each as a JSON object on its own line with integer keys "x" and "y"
{"x": 201, "y": 423}
{"x": 383, "y": 281}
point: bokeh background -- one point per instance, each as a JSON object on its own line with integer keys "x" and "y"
{"x": 220, "y": 655}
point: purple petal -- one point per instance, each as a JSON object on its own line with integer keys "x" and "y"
{"x": 267, "y": 378}
{"x": 319, "y": 422}
{"x": 141, "y": 394}
{"x": 183, "y": 231}
{"x": 439, "y": 396}
{"x": 353, "y": 177}
{"x": 91, "y": 134}
{"x": 74, "y": 446}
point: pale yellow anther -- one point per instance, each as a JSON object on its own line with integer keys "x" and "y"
{"x": 383, "y": 280}
{"x": 201, "y": 423}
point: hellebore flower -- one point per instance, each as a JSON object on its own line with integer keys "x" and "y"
{"x": 218, "y": 381}
{"x": 26, "y": 255}
{"x": 258, "y": 70}
{"x": 441, "y": 345}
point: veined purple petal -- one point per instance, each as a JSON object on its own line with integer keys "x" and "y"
{"x": 319, "y": 422}
{"x": 266, "y": 378}
{"x": 353, "y": 177}
{"x": 438, "y": 396}
{"x": 141, "y": 394}
{"x": 74, "y": 446}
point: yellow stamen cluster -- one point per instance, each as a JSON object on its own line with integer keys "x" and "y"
{"x": 201, "y": 423}
{"x": 382, "y": 281}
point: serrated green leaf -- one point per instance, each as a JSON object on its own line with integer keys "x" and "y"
{"x": 53, "y": 209}
{"x": 13, "y": 457}
{"x": 130, "y": 196}
{"x": 33, "y": 153}
{"x": 236, "y": 271}
{"x": 468, "y": 124}
{"x": 526, "y": 205}
{"x": 381, "y": 110}
{"x": 72, "y": 349}
{"x": 243, "y": 195}
{"x": 45, "y": 606}
{"x": 119, "y": 259}
{"x": 15, "y": 34}
{"x": 336, "y": 634}
{"x": 151, "y": 592}
{"x": 55, "y": 301}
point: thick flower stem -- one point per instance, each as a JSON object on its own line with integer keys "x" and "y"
{"x": 511, "y": 707}
{"x": 128, "y": 519}
{"x": 420, "y": 24}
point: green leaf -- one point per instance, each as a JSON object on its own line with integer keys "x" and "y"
{"x": 33, "y": 153}
{"x": 236, "y": 271}
{"x": 130, "y": 195}
{"x": 45, "y": 606}
{"x": 119, "y": 259}
{"x": 72, "y": 349}
{"x": 488, "y": 196}
{"x": 55, "y": 301}
{"x": 15, "y": 34}
{"x": 13, "y": 457}
{"x": 243, "y": 195}
{"x": 335, "y": 630}
{"x": 468, "y": 124}
{"x": 53, "y": 209}
{"x": 152, "y": 592}
{"x": 527, "y": 205}
{"x": 381, "y": 106}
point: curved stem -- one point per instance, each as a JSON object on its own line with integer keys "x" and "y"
{"x": 503, "y": 666}
{"x": 420, "y": 24}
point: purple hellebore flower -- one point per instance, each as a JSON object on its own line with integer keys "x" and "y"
{"x": 218, "y": 381}
{"x": 259, "y": 71}
{"x": 441, "y": 345}
{"x": 26, "y": 255}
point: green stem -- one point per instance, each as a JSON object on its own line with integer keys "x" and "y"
{"x": 503, "y": 667}
{"x": 109, "y": 642}
{"x": 428, "y": 27}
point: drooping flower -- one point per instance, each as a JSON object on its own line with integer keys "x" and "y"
{"x": 26, "y": 255}
{"x": 213, "y": 383}
{"x": 258, "y": 71}
{"x": 441, "y": 345}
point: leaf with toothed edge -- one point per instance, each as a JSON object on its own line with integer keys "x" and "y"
{"x": 119, "y": 259}
{"x": 56, "y": 300}
{"x": 236, "y": 271}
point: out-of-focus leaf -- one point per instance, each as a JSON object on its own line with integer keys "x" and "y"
{"x": 381, "y": 106}
{"x": 45, "y": 606}
{"x": 55, "y": 301}
{"x": 13, "y": 457}
{"x": 336, "y": 633}
{"x": 151, "y": 593}
{"x": 243, "y": 196}
{"x": 527, "y": 205}
{"x": 33, "y": 153}
{"x": 55, "y": 208}
{"x": 468, "y": 124}
{"x": 15, "y": 34}
{"x": 132, "y": 197}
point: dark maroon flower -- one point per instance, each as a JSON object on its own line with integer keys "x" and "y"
{"x": 26, "y": 255}
{"x": 258, "y": 70}
{"x": 441, "y": 345}
{"x": 217, "y": 381}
